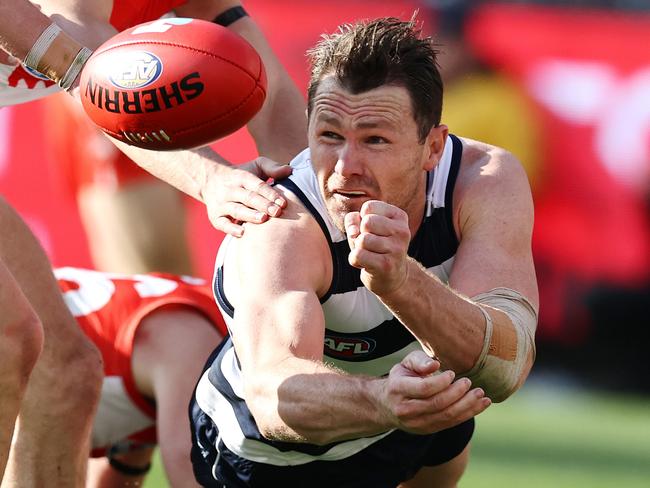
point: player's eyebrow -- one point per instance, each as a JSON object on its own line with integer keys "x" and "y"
{"x": 374, "y": 124}
{"x": 328, "y": 119}
{"x": 364, "y": 124}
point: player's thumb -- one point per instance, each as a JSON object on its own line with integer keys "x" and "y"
{"x": 420, "y": 363}
{"x": 352, "y": 224}
{"x": 269, "y": 168}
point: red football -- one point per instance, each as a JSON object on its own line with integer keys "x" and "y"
{"x": 173, "y": 84}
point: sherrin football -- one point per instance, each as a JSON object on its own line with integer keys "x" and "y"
{"x": 173, "y": 84}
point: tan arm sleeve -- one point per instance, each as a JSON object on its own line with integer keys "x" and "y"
{"x": 508, "y": 352}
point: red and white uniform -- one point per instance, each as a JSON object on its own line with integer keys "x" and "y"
{"x": 109, "y": 308}
{"x": 19, "y": 85}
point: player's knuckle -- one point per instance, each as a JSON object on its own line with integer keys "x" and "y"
{"x": 364, "y": 239}
{"x": 251, "y": 196}
{"x": 427, "y": 388}
{"x": 386, "y": 264}
{"x": 439, "y": 402}
{"x": 368, "y": 222}
{"x": 260, "y": 186}
{"x": 403, "y": 411}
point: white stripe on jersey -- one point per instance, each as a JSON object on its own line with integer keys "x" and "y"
{"x": 438, "y": 189}
{"x": 222, "y": 414}
{"x": 117, "y": 416}
{"x": 360, "y": 310}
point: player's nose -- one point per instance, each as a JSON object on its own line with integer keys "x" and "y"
{"x": 349, "y": 162}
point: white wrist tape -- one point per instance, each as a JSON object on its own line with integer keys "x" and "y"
{"x": 75, "y": 68}
{"x": 507, "y": 351}
{"x": 41, "y": 45}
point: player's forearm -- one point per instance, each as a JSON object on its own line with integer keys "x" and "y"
{"x": 280, "y": 128}
{"x": 305, "y": 401}
{"x": 188, "y": 171}
{"x": 446, "y": 323}
{"x": 28, "y": 34}
{"x": 20, "y": 25}
{"x": 492, "y": 345}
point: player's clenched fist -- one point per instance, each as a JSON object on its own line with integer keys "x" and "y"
{"x": 379, "y": 237}
{"x": 416, "y": 400}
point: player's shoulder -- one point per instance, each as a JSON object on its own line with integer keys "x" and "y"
{"x": 492, "y": 181}
{"x": 288, "y": 249}
{"x": 295, "y": 220}
{"x": 487, "y": 169}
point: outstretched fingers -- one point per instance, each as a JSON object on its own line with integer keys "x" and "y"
{"x": 257, "y": 195}
{"x": 240, "y": 196}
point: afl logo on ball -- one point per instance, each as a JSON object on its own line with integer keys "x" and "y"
{"x": 136, "y": 69}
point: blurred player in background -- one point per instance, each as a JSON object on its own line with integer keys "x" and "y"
{"x": 155, "y": 332}
{"x": 479, "y": 102}
{"x": 231, "y": 195}
{"x": 133, "y": 221}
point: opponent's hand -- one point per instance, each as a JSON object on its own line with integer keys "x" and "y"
{"x": 379, "y": 238}
{"x": 419, "y": 401}
{"x": 238, "y": 194}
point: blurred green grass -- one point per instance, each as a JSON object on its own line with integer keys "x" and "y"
{"x": 550, "y": 437}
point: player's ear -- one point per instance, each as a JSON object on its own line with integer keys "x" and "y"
{"x": 435, "y": 145}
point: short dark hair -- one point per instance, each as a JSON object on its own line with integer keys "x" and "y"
{"x": 386, "y": 51}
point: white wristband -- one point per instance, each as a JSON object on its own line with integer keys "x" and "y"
{"x": 41, "y": 45}
{"x": 74, "y": 69}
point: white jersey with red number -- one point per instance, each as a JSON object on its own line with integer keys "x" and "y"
{"x": 19, "y": 84}
{"x": 109, "y": 308}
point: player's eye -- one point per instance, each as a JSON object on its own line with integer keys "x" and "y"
{"x": 327, "y": 134}
{"x": 376, "y": 140}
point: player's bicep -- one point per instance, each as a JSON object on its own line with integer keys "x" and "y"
{"x": 282, "y": 268}
{"x": 171, "y": 347}
{"x": 495, "y": 248}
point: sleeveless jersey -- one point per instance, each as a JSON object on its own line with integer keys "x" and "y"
{"x": 109, "y": 308}
{"x": 19, "y": 84}
{"x": 361, "y": 337}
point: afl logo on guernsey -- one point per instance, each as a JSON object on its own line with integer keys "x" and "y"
{"x": 348, "y": 348}
{"x": 135, "y": 70}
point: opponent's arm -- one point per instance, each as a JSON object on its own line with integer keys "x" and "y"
{"x": 31, "y": 36}
{"x": 234, "y": 194}
{"x": 280, "y": 128}
{"x": 495, "y": 225}
{"x": 20, "y": 25}
{"x": 170, "y": 349}
{"x": 230, "y": 194}
{"x": 284, "y": 266}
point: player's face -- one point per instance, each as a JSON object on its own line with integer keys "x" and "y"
{"x": 366, "y": 147}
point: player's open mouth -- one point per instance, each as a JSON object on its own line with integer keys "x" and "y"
{"x": 350, "y": 193}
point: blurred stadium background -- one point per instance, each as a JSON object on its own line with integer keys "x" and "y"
{"x": 565, "y": 85}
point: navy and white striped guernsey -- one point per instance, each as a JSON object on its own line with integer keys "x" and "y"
{"x": 362, "y": 336}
